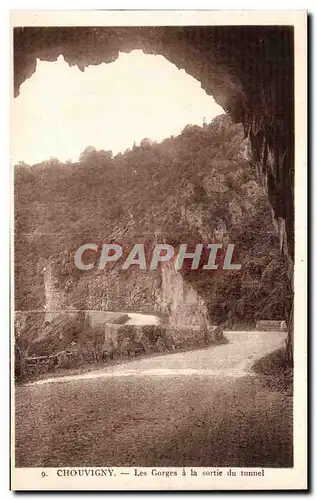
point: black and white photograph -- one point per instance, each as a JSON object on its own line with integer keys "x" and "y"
{"x": 158, "y": 250}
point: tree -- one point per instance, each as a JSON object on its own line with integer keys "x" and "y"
{"x": 88, "y": 154}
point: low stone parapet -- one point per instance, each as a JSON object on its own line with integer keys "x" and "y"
{"x": 130, "y": 340}
{"x": 191, "y": 337}
{"x": 271, "y": 325}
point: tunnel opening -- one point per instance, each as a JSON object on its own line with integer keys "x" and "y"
{"x": 248, "y": 70}
{"x": 113, "y": 106}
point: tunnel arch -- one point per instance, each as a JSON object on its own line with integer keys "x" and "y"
{"x": 249, "y": 70}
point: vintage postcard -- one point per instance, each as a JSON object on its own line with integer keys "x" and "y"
{"x": 159, "y": 235}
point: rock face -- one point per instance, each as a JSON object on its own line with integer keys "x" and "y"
{"x": 54, "y": 298}
{"x": 180, "y": 301}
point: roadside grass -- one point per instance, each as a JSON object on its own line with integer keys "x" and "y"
{"x": 276, "y": 371}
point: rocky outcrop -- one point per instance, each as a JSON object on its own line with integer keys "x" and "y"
{"x": 54, "y": 299}
{"x": 180, "y": 301}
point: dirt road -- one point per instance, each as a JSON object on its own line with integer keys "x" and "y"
{"x": 199, "y": 408}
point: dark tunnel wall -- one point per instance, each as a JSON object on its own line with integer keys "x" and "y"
{"x": 249, "y": 70}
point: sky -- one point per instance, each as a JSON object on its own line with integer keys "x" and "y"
{"x": 61, "y": 110}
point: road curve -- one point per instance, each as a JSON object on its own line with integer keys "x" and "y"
{"x": 198, "y": 408}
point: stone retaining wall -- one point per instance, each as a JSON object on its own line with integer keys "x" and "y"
{"x": 271, "y": 325}
{"x": 120, "y": 341}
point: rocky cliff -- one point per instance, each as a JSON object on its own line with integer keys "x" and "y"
{"x": 200, "y": 187}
